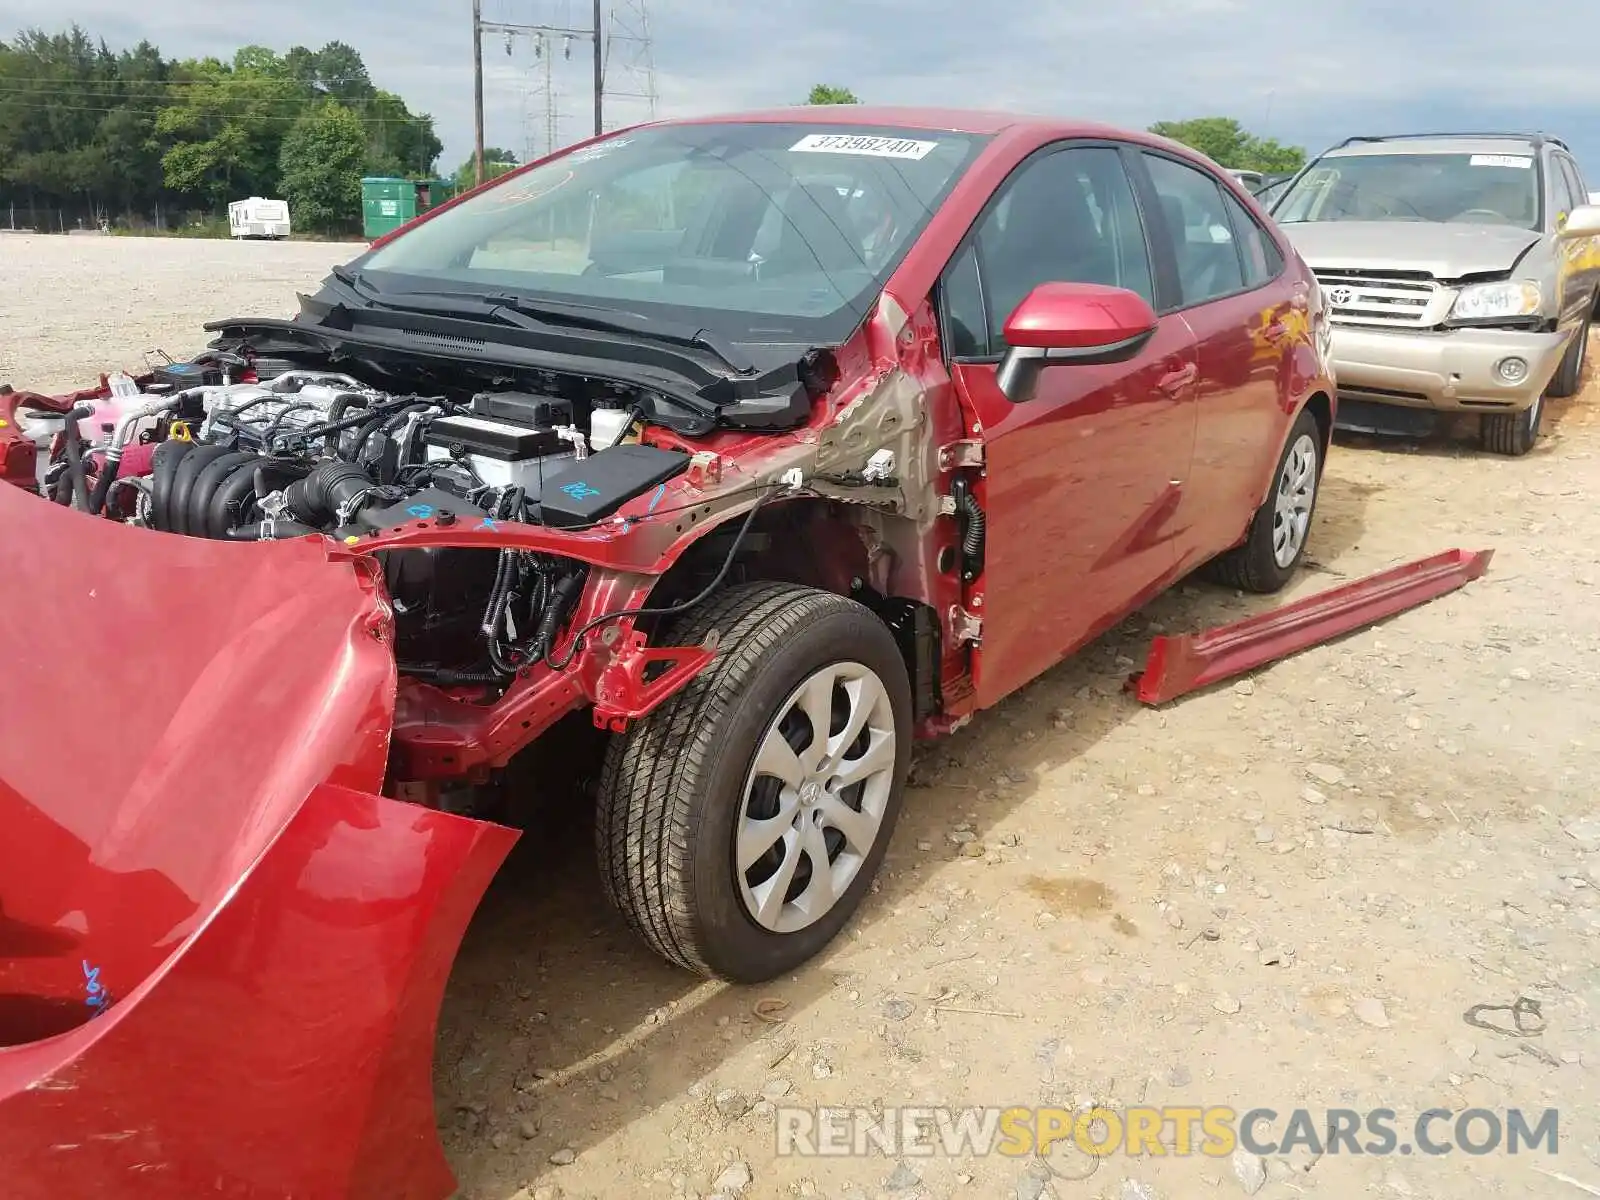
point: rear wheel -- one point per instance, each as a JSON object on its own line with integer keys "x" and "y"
{"x": 1276, "y": 542}
{"x": 742, "y": 822}
{"x": 1512, "y": 433}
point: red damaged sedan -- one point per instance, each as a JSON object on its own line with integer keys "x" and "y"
{"x": 764, "y": 444}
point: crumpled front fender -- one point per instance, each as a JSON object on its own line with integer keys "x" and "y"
{"x": 222, "y": 953}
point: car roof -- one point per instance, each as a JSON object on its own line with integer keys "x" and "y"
{"x": 953, "y": 120}
{"x": 1442, "y": 144}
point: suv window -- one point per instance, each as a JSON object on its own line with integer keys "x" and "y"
{"x": 1565, "y": 195}
{"x": 1259, "y": 253}
{"x": 1068, "y": 216}
{"x": 1569, "y": 171}
{"x": 1197, "y": 223}
{"x": 1500, "y": 189}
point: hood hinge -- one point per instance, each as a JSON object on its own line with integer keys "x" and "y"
{"x": 965, "y": 626}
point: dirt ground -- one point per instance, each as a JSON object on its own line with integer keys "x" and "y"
{"x": 1283, "y": 893}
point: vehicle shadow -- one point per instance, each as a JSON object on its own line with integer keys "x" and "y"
{"x": 560, "y": 1028}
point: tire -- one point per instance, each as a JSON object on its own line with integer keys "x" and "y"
{"x": 681, "y": 784}
{"x": 1257, "y": 565}
{"x": 1569, "y": 375}
{"x": 1511, "y": 433}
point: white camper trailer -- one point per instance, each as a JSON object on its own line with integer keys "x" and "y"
{"x": 258, "y": 218}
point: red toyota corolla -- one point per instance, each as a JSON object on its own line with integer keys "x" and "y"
{"x": 770, "y": 441}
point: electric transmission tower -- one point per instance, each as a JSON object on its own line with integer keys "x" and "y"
{"x": 630, "y": 66}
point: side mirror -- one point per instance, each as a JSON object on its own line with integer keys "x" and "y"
{"x": 1583, "y": 221}
{"x": 1071, "y": 323}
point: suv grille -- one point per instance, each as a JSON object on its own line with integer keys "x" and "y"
{"x": 1387, "y": 301}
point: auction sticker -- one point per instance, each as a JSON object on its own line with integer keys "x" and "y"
{"x": 851, "y": 143}
{"x": 1501, "y": 160}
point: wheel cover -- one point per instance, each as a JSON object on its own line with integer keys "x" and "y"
{"x": 1297, "y": 495}
{"x": 815, "y": 798}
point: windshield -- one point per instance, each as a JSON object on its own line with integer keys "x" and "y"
{"x": 758, "y": 232}
{"x": 1483, "y": 189}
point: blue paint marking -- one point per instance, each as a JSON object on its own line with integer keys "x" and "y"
{"x": 489, "y": 524}
{"x": 580, "y": 490}
{"x": 95, "y": 994}
{"x": 656, "y": 499}
{"x": 421, "y": 511}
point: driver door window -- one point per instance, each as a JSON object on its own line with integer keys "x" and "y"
{"x": 1561, "y": 190}
{"x": 1068, "y": 216}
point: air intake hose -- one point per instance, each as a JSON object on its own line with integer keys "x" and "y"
{"x": 333, "y": 487}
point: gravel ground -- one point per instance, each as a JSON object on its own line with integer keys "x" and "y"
{"x": 1283, "y": 893}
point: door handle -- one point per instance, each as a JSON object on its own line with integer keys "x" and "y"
{"x": 1174, "y": 382}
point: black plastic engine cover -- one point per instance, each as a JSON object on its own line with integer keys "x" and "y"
{"x": 593, "y": 488}
{"x": 523, "y": 408}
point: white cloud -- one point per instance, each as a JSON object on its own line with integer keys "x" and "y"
{"x": 1303, "y": 73}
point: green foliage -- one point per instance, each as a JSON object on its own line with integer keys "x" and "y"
{"x": 496, "y": 162}
{"x": 90, "y": 134}
{"x": 321, "y": 163}
{"x": 1229, "y": 144}
{"x": 826, "y": 93}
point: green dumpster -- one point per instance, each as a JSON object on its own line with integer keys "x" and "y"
{"x": 388, "y": 203}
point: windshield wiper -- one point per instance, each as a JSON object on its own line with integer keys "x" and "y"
{"x": 586, "y": 316}
{"x": 609, "y": 320}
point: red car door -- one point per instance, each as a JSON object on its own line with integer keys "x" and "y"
{"x": 1082, "y": 482}
{"x": 1246, "y": 315}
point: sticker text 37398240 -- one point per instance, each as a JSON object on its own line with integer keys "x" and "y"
{"x": 850, "y": 143}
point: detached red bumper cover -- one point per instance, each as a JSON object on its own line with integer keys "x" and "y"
{"x": 221, "y": 951}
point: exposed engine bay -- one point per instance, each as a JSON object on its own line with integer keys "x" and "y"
{"x": 295, "y": 452}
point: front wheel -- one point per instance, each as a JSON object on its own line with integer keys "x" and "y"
{"x": 1568, "y": 379}
{"x": 1276, "y": 541}
{"x": 742, "y": 822}
{"x": 1511, "y": 433}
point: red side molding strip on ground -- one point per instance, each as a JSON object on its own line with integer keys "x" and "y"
{"x": 1182, "y": 664}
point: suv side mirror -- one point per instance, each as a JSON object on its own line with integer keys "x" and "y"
{"x": 1071, "y": 323}
{"x": 1583, "y": 221}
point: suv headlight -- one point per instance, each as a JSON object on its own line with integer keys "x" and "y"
{"x": 1494, "y": 301}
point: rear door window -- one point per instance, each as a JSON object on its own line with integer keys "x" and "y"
{"x": 1209, "y": 263}
{"x": 1258, "y": 252}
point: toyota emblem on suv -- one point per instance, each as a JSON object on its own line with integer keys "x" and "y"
{"x": 1342, "y": 295}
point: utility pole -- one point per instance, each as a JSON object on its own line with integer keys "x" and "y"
{"x": 477, "y": 91}
{"x": 599, "y": 74}
{"x": 595, "y": 34}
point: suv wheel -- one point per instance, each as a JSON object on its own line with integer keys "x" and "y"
{"x": 741, "y": 823}
{"x": 1569, "y": 375}
{"x": 1512, "y": 433}
{"x": 1276, "y": 543}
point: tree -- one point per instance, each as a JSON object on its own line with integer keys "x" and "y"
{"x": 496, "y": 162}
{"x": 826, "y": 93}
{"x": 87, "y": 133}
{"x": 321, "y": 168}
{"x": 1228, "y": 144}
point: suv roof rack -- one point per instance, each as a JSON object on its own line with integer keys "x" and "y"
{"x": 1539, "y": 140}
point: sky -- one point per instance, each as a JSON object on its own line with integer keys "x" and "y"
{"x": 1306, "y": 74}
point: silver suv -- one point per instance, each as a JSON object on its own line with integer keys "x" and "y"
{"x": 1462, "y": 272}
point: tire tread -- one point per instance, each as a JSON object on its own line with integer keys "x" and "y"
{"x": 645, "y": 826}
